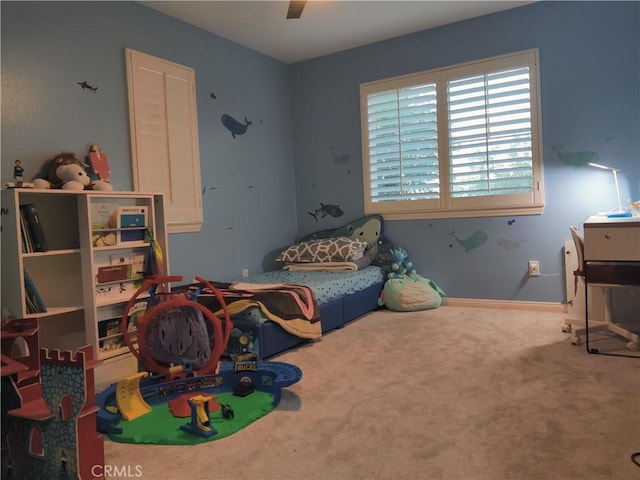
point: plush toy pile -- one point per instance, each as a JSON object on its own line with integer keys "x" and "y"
{"x": 405, "y": 290}
{"x": 67, "y": 172}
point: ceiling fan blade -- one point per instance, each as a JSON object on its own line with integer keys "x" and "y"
{"x": 295, "y": 9}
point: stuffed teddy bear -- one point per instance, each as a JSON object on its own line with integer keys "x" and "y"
{"x": 400, "y": 264}
{"x": 67, "y": 172}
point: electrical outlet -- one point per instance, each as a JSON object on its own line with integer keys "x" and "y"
{"x": 534, "y": 268}
{"x": 245, "y": 272}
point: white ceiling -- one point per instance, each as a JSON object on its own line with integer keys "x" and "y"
{"x": 325, "y": 26}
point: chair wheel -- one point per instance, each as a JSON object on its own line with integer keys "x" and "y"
{"x": 577, "y": 341}
{"x": 566, "y": 328}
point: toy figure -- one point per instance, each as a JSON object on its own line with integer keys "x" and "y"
{"x": 99, "y": 163}
{"x": 18, "y": 171}
{"x": 227, "y": 411}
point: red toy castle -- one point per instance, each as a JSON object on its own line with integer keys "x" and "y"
{"x": 48, "y": 408}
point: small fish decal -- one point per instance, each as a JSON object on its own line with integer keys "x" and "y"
{"x": 511, "y": 222}
{"x": 86, "y": 86}
{"x": 577, "y": 159}
{"x": 328, "y": 209}
{"x": 213, "y": 95}
{"x": 234, "y": 126}
{"x": 474, "y": 241}
{"x": 339, "y": 159}
{"x": 508, "y": 244}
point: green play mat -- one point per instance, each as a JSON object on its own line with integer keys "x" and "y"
{"x": 160, "y": 427}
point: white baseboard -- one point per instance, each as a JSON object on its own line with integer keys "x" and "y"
{"x": 505, "y": 304}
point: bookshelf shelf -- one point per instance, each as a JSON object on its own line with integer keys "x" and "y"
{"x": 122, "y": 247}
{"x": 49, "y": 253}
{"x": 65, "y": 274}
{"x": 54, "y": 311}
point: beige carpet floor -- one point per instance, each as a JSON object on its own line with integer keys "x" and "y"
{"x": 451, "y": 393}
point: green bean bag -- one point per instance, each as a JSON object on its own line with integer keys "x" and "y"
{"x": 410, "y": 293}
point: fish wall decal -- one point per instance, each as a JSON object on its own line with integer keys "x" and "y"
{"x": 234, "y": 126}
{"x": 86, "y": 86}
{"x": 326, "y": 209}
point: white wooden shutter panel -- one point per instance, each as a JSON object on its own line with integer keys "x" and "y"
{"x": 164, "y": 135}
{"x": 403, "y": 144}
{"x": 490, "y": 142}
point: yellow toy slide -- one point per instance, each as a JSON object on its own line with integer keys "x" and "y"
{"x": 129, "y": 399}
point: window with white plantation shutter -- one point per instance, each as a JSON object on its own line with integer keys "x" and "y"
{"x": 164, "y": 136}
{"x": 458, "y": 141}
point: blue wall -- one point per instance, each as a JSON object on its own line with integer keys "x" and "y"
{"x": 589, "y": 54}
{"x": 303, "y": 147}
{"x": 247, "y": 182}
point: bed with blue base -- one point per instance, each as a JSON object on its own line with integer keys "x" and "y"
{"x": 344, "y": 287}
{"x": 341, "y": 298}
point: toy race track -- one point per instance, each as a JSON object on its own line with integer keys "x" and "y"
{"x": 143, "y": 393}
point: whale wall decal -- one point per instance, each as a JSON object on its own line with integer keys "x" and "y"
{"x": 474, "y": 241}
{"x": 234, "y": 126}
{"x": 576, "y": 159}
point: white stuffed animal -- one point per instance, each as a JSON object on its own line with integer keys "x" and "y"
{"x": 69, "y": 173}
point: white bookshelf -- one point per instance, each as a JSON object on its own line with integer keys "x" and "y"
{"x": 79, "y": 306}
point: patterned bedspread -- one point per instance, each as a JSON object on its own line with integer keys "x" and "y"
{"x": 326, "y": 285}
{"x": 293, "y": 307}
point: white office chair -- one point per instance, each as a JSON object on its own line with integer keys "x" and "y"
{"x": 602, "y": 281}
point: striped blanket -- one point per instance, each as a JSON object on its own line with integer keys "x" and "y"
{"x": 293, "y": 307}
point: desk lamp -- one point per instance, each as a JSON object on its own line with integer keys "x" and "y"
{"x": 618, "y": 212}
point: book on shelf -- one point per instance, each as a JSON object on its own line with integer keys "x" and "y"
{"x": 112, "y": 273}
{"x": 135, "y": 264}
{"x": 121, "y": 268}
{"x": 115, "y": 292}
{"x": 109, "y": 334}
{"x": 135, "y": 313}
{"x": 104, "y": 221}
{"x": 132, "y": 222}
{"x": 35, "y": 304}
{"x": 34, "y": 225}
{"x": 109, "y": 331}
{"x": 27, "y": 243}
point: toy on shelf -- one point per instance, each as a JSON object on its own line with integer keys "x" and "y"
{"x": 18, "y": 172}
{"x": 18, "y": 177}
{"x": 67, "y": 172}
{"x": 99, "y": 164}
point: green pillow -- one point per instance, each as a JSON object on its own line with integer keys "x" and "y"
{"x": 410, "y": 293}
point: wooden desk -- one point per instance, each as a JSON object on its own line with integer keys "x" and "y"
{"x": 612, "y": 259}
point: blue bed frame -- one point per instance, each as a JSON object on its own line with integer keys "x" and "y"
{"x": 273, "y": 339}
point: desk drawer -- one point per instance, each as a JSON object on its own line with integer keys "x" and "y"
{"x": 619, "y": 243}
